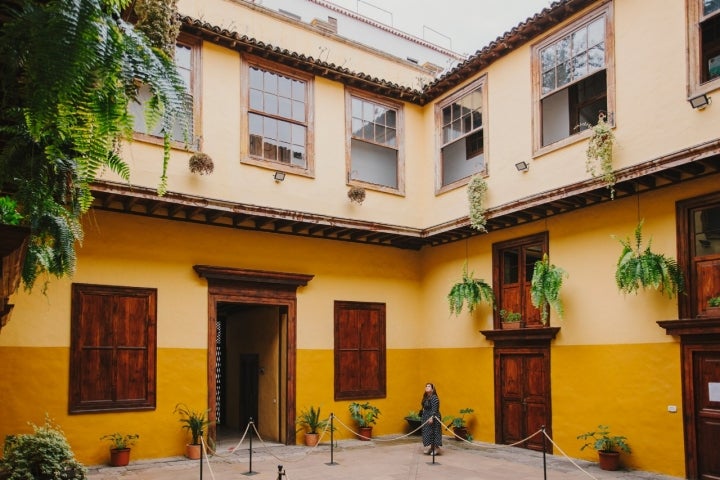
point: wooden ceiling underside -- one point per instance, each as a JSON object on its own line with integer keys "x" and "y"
{"x": 636, "y": 180}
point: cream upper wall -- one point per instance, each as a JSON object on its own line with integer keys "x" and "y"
{"x": 653, "y": 118}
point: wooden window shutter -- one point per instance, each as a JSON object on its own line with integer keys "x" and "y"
{"x": 359, "y": 350}
{"x": 113, "y": 348}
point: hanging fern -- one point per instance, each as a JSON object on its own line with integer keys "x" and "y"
{"x": 599, "y": 153}
{"x": 476, "y": 196}
{"x": 639, "y": 268}
{"x": 545, "y": 287}
{"x": 469, "y": 291}
{"x": 70, "y": 70}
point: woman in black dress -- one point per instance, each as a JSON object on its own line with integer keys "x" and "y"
{"x": 432, "y": 428}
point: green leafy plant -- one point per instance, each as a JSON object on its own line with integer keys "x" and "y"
{"x": 714, "y": 302}
{"x": 545, "y": 287}
{"x": 639, "y": 267}
{"x": 194, "y": 421}
{"x": 413, "y": 415}
{"x": 509, "y": 317}
{"x": 8, "y": 211}
{"x": 364, "y": 414}
{"x": 458, "y": 421}
{"x": 469, "y": 291}
{"x": 121, "y": 441}
{"x": 599, "y": 152}
{"x": 602, "y": 441}
{"x": 60, "y": 130}
{"x": 310, "y": 420}
{"x": 43, "y": 454}
{"x": 476, "y": 189}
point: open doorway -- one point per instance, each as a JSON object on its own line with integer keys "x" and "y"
{"x": 251, "y": 360}
{"x": 252, "y": 312}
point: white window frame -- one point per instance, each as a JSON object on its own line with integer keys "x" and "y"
{"x": 695, "y": 17}
{"x": 195, "y": 135}
{"x": 352, "y": 176}
{"x": 480, "y": 83}
{"x": 606, "y": 10}
{"x": 246, "y": 156}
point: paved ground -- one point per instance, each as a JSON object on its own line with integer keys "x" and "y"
{"x": 378, "y": 459}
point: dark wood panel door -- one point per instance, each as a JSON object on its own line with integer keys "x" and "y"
{"x": 522, "y": 395}
{"x": 706, "y": 388}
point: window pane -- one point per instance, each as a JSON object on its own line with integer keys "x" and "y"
{"x": 446, "y": 115}
{"x": 579, "y": 66}
{"x": 379, "y": 133}
{"x": 476, "y": 120}
{"x": 391, "y": 134}
{"x": 284, "y": 87}
{"x": 563, "y": 74}
{"x": 298, "y": 135}
{"x": 548, "y": 81}
{"x": 374, "y": 164}
{"x": 357, "y": 128}
{"x": 356, "y": 105}
{"x": 596, "y": 57}
{"x": 298, "y": 91}
{"x": 563, "y": 50}
{"x": 256, "y": 79}
{"x": 256, "y": 99}
{"x": 270, "y": 103}
{"x": 284, "y": 107}
{"x": 284, "y": 130}
{"x": 391, "y": 118}
{"x": 456, "y": 165}
{"x": 368, "y": 112}
{"x": 511, "y": 262}
{"x": 547, "y": 58}
{"x": 298, "y": 111}
{"x": 579, "y": 41}
{"x": 710, "y": 6}
{"x": 270, "y": 127}
{"x": 270, "y": 82}
{"x": 596, "y": 32}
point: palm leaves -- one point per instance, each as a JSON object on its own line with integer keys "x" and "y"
{"x": 545, "y": 287}
{"x": 641, "y": 268}
{"x": 470, "y": 291}
{"x": 70, "y": 70}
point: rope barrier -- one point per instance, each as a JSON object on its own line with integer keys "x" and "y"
{"x": 329, "y": 424}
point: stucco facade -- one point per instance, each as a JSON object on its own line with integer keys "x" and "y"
{"x": 609, "y": 362}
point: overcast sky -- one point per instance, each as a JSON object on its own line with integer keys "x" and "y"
{"x": 463, "y": 25}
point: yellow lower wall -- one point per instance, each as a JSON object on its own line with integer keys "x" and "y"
{"x": 35, "y": 382}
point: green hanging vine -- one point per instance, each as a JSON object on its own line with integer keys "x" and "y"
{"x": 599, "y": 153}
{"x": 639, "y": 268}
{"x": 476, "y": 196}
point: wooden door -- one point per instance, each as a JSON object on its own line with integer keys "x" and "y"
{"x": 522, "y": 394}
{"x": 706, "y": 392}
{"x": 249, "y": 387}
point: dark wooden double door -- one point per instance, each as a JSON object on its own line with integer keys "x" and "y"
{"x": 522, "y": 395}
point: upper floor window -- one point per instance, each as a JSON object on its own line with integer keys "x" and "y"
{"x": 704, "y": 45}
{"x": 184, "y": 132}
{"x": 462, "y": 134}
{"x": 573, "y": 72}
{"x": 375, "y": 153}
{"x": 278, "y": 118}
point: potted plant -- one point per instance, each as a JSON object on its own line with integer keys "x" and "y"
{"x": 476, "y": 189}
{"x": 365, "y": 415}
{"x": 120, "y": 444}
{"x": 193, "y": 421}
{"x": 459, "y": 424}
{"x": 414, "y": 421}
{"x": 545, "y": 287}
{"x": 201, "y": 163}
{"x": 510, "y": 320}
{"x": 599, "y": 152}
{"x": 356, "y": 194}
{"x": 469, "y": 291}
{"x": 310, "y": 420}
{"x": 641, "y": 268}
{"x": 607, "y": 446}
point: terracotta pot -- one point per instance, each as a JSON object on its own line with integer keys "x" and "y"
{"x": 365, "y": 433}
{"x": 192, "y": 451}
{"x": 119, "y": 457}
{"x": 510, "y": 325}
{"x": 609, "y": 460}
{"x": 460, "y": 432}
{"x": 312, "y": 439}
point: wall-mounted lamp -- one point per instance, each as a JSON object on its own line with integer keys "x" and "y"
{"x": 700, "y": 102}
{"x": 279, "y": 176}
{"x": 522, "y": 166}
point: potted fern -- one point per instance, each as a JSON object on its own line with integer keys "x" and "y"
{"x": 310, "y": 420}
{"x": 469, "y": 291}
{"x": 545, "y": 287}
{"x": 640, "y": 267}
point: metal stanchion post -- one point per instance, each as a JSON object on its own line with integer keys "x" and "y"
{"x": 544, "y": 450}
{"x": 332, "y": 443}
{"x": 281, "y": 472}
{"x": 250, "y": 470}
{"x": 202, "y": 449}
